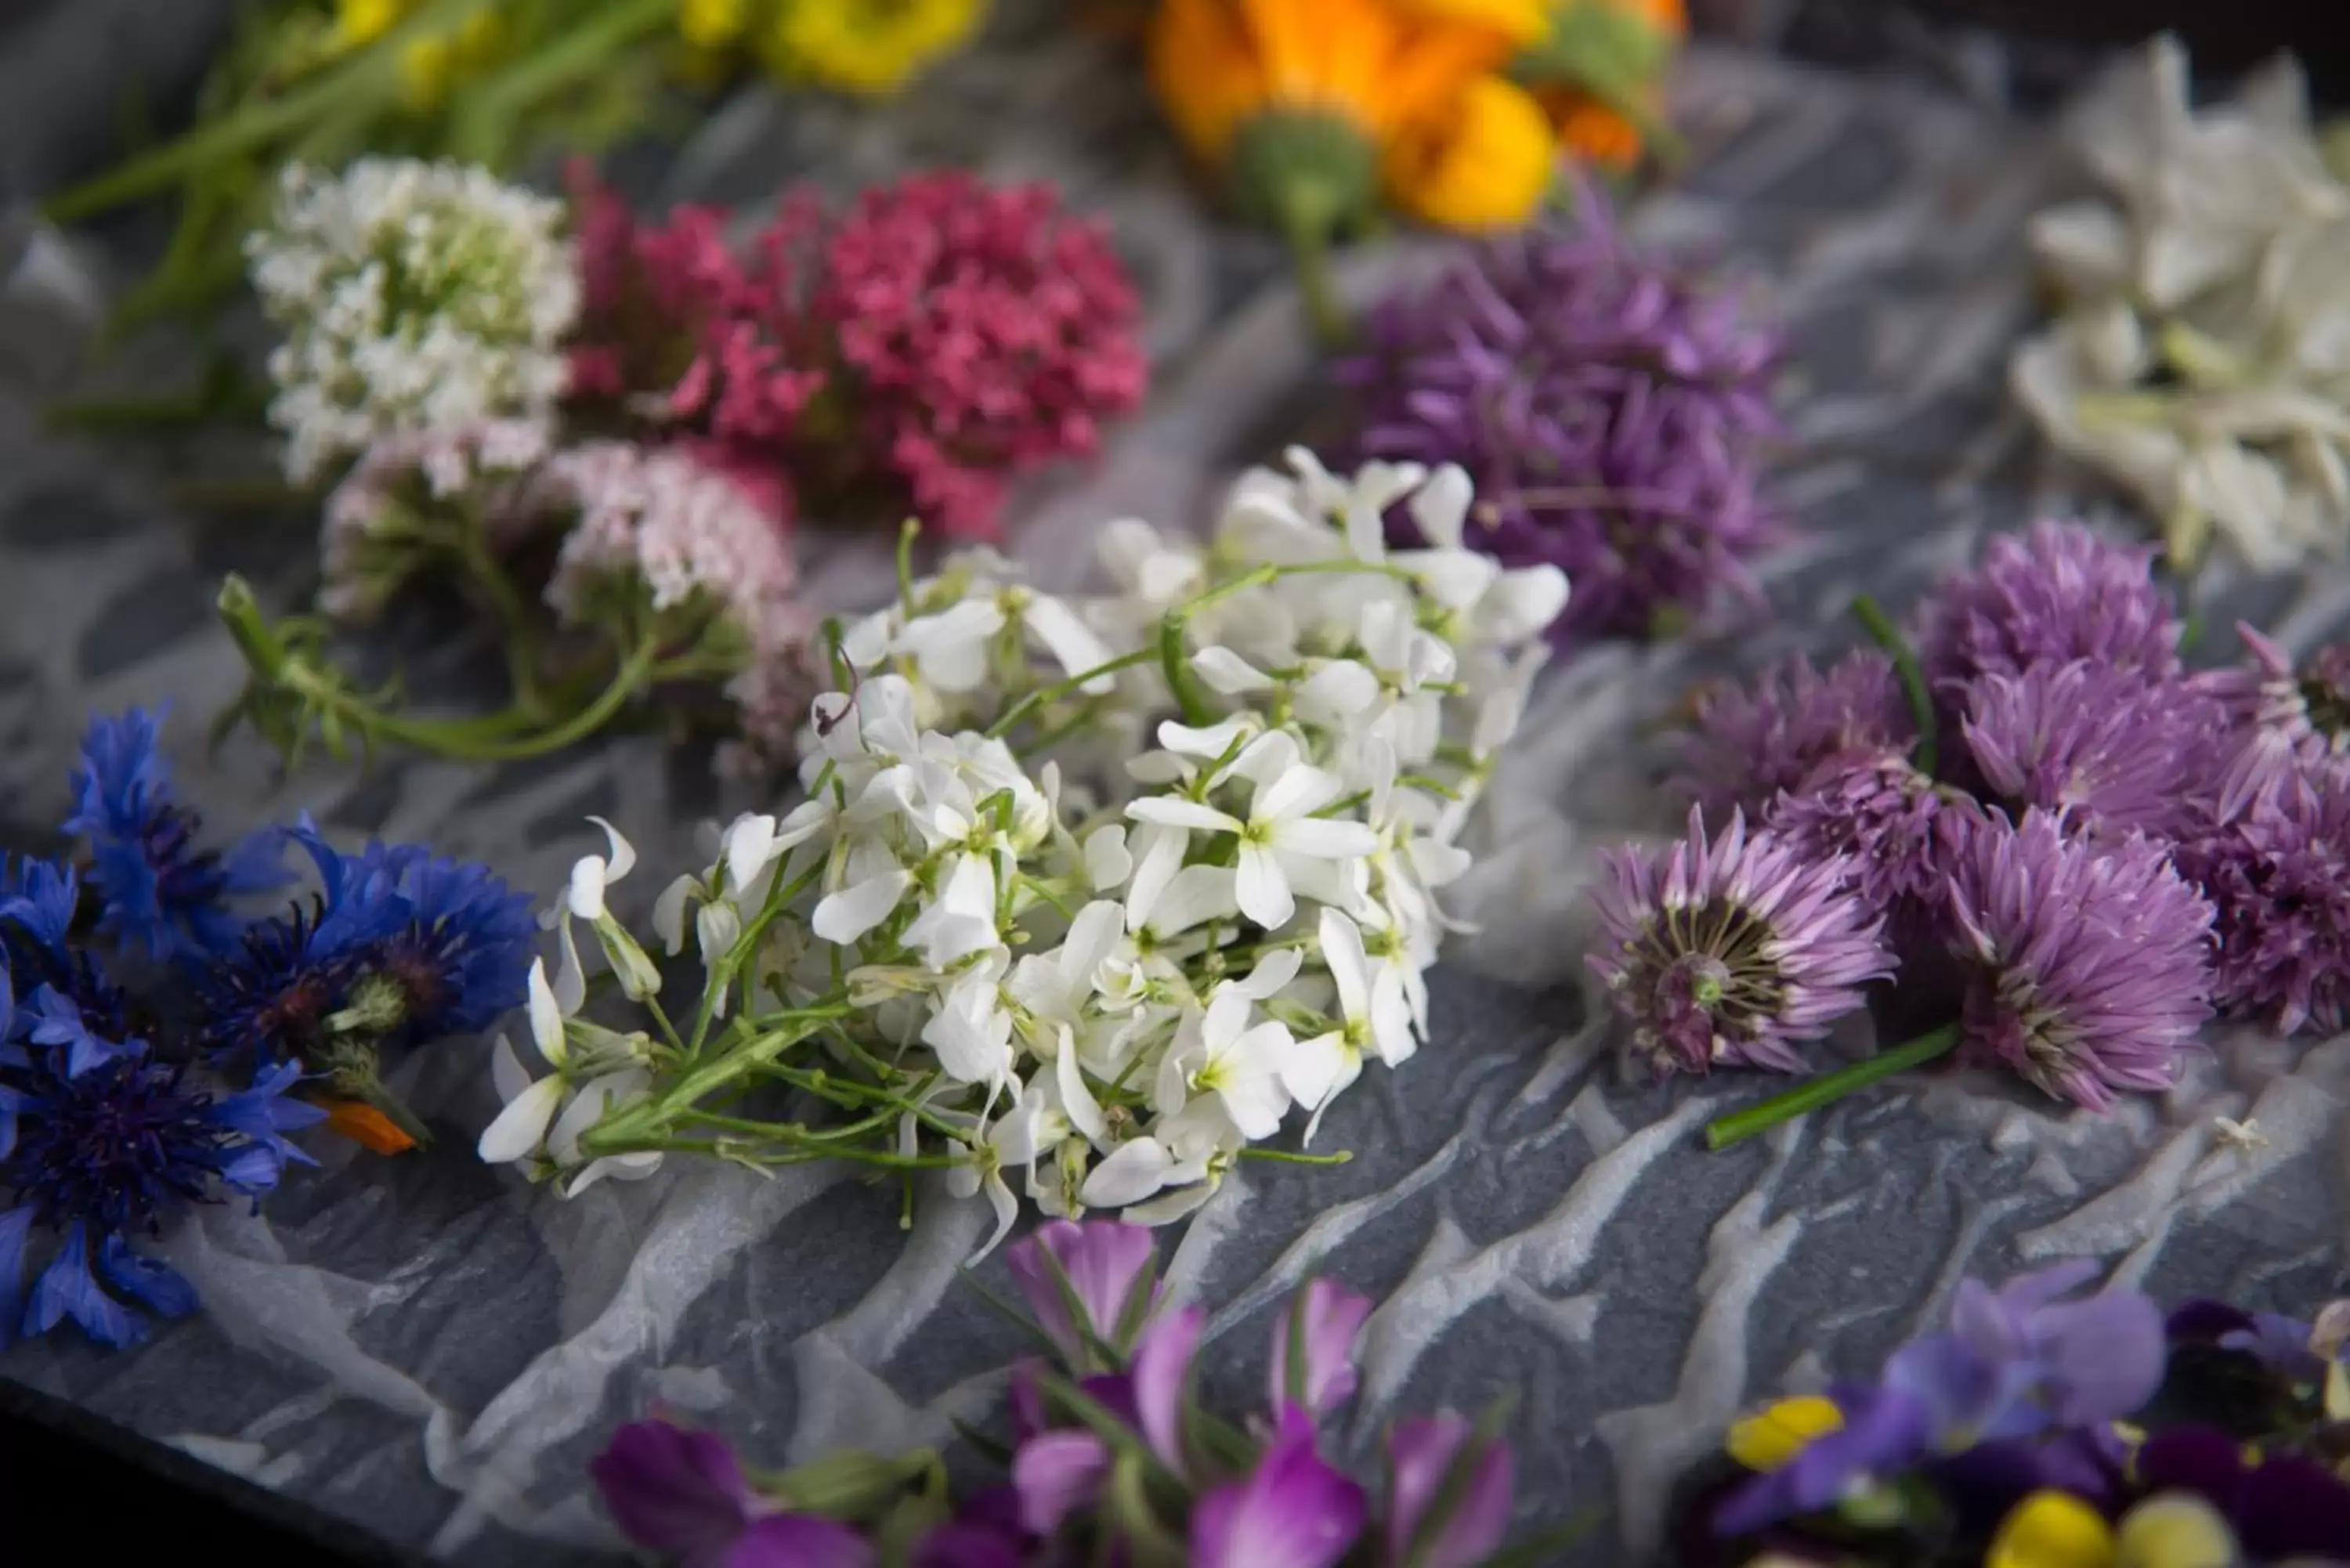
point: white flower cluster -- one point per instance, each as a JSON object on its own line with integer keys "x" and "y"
{"x": 376, "y": 525}
{"x": 1098, "y": 892}
{"x": 2203, "y": 357}
{"x": 413, "y": 296}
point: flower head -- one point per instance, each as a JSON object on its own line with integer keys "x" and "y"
{"x": 2096, "y": 745}
{"x": 162, "y": 893}
{"x": 2089, "y": 965}
{"x": 2279, "y": 881}
{"x": 413, "y": 296}
{"x": 2057, "y": 594}
{"x": 1733, "y": 951}
{"x": 868, "y": 46}
{"x": 684, "y": 1493}
{"x": 1614, "y": 411}
{"x": 1749, "y": 746}
{"x": 1092, "y": 1272}
{"x": 2282, "y": 717}
{"x": 1427, "y": 1459}
{"x": 1293, "y": 1509}
{"x": 1885, "y": 821}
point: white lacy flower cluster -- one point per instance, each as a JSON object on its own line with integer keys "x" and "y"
{"x": 2203, "y": 357}
{"x": 370, "y": 543}
{"x": 413, "y": 296}
{"x": 1071, "y": 913}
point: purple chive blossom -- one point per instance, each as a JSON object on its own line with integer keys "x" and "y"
{"x": 1747, "y": 747}
{"x": 2089, "y": 965}
{"x": 2283, "y": 717}
{"x": 2049, "y": 597}
{"x": 1615, "y": 411}
{"x": 1323, "y": 1320}
{"x": 985, "y": 1532}
{"x": 1101, "y": 1262}
{"x": 683, "y": 1494}
{"x": 1422, "y": 1452}
{"x": 1292, "y": 1511}
{"x": 1732, "y": 952}
{"x": 2102, "y": 747}
{"x": 2279, "y": 881}
{"x": 1891, "y": 826}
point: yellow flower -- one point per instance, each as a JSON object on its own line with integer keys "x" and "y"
{"x": 2175, "y": 1530}
{"x": 1482, "y": 161}
{"x": 869, "y": 46}
{"x": 431, "y": 66}
{"x": 1776, "y": 1434}
{"x": 712, "y": 24}
{"x": 2052, "y": 1530}
{"x": 358, "y": 21}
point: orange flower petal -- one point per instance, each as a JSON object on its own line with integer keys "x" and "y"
{"x": 1593, "y": 131}
{"x": 1484, "y": 162}
{"x": 364, "y": 1125}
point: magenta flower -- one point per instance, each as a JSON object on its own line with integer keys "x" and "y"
{"x": 1750, "y": 746}
{"x": 2278, "y": 878}
{"x": 985, "y": 1532}
{"x": 1055, "y": 1474}
{"x": 1889, "y": 826}
{"x": 2049, "y": 597}
{"x": 1160, "y": 1375}
{"x": 1732, "y": 952}
{"x": 2098, "y": 746}
{"x": 1614, "y": 409}
{"x": 1423, "y": 1453}
{"x": 684, "y": 1493}
{"x": 1293, "y": 1510}
{"x": 2089, "y": 965}
{"x": 2283, "y": 717}
{"x": 1094, "y": 1269}
{"x": 1322, "y": 1324}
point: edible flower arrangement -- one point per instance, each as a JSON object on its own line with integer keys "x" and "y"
{"x": 135, "y": 993}
{"x": 497, "y": 83}
{"x": 606, "y": 432}
{"x": 1086, "y": 895}
{"x": 1113, "y": 1454}
{"x": 2071, "y": 849}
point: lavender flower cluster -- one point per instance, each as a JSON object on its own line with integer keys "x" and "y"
{"x": 1112, "y": 1458}
{"x": 2043, "y": 1429}
{"x": 2049, "y": 827}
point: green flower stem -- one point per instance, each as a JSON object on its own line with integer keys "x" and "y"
{"x": 578, "y": 52}
{"x": 454, "y": 741}
{"x": 1880, "y": 628}
{"x": 703, "y": 1082}
{"x": 1306, "y": 224}
{"x": 1060, "y": 689}
{"x": 1284, "y": 1156}
{"x": 1813, "y": 1093}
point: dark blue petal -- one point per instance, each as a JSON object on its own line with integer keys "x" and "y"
{"x": 253, "y": 1170}
{"x": 156, "y": 1285}
{"x": 11, "y": 1102}
{"x": 16, "y": 1226}
{"x": 68, "y": 1290}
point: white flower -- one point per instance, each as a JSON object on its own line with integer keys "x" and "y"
{"x": 1280, "y": 831}
{"x": 584, "y": 899}
{"x": 951, "y": 648}
{"x": 1220, "y": 1052}
{"x": 971, "y": 1030}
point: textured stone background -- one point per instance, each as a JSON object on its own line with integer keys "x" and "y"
{"x": 431, "y": 1350}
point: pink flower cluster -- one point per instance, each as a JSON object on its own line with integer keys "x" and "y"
{"x": 912, "y": 354}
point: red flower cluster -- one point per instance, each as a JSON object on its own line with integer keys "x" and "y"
{"x": 913, "y": 353}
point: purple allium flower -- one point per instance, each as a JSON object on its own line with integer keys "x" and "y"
{"x": 684, "y": 1493}
{"x": 985, "y": 1532}
{"x": 1732, "y": 952}
{"x": 1320, "y": 1326}
{"x": 1749, "y": 746}
{"x": 1094, "y": 1269}
{"x": 2088, "y": 964}
{"x": 1613, "y": 410}
{"x": 1293, "y": 1510}
{"x": 2100, "y": 747}
{"x": 1889, "y": 824}
{"x": 1422, "y": 1453}
{"x": 2283, "y": 716}
{"x": 2279, "y": 881}
{"x": 2049, "y": 597}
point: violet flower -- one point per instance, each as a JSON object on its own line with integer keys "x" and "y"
{"x": 1885, "y": 1433}
{"x": 1889, "y": 825}
{"x": 2100, "y": 746}
{"x": 1748, "y": 746}
{"x": 2092, "y": 1360}
{"x": 684, "y": 1493}
{"x": 2282, "y": 1506}
{"x": 1055, "y": 1474}
{"x": 2272, "y": 1338}
{"x": 1732, "y": 952}
{"x": 1094, "y": 1269}
{"x": 2056, "y": 594}
{"x": 2285, "y": 716}
{"x": 2088, "y": 966}
{"x": 1161, "y": 1377}
{"x": 1321, "y": 1326}
{"x": 1614, "y": 409}
{"x": 2279, "y": 882}
{"x": 1293, "y": 1510}
{"x": 1423, "y": 1452}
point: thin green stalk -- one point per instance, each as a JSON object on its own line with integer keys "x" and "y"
{"x": 1887, "y": 636}
{"x": 1813, "y": 1093}
{"x": 1060, "y": 689}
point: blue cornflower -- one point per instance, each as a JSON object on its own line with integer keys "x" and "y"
{"x": 99, "y": 1159}
{"x": 57, "y": 1020}
{"x": 162, "y": 893}
{"x": 38, "y": 899}
{"x": 273, "y": 995}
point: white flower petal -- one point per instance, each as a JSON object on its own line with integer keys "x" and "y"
{"x": 585, "y": 897}
{"x": 1131, "y": 1172}
{"x": 1441, "y": 504}
{"x": 623, "y": 857}
{"x": 1107, "y": 862}
{"x": 843, "y": 917}
{"x": 669, "y": 914}
{"x": 1228, "y": 674}
{"x": 1349, "y": 967}
{"x": 1008, "y": 1210}
{"x": 1272, "y": 971}
{"x": 1173, "y": 811}
{"x": 1297, "y": 793}
{"x": 1342, "y": 688}
{"x": 522, "y": 1126}
{"x": 1311, "y": 1068}
{"x": 1078, "y": 1102}
{"x": 571, "y": 979}
{"x": 1072, "y": 643}
{"x": 508, "y": 1075}
{"x": 1261, "y": 889}
{"x": 1192, "y": 896}
{"x": 1324, "y": 837}
{"x": 547, "y": 1014}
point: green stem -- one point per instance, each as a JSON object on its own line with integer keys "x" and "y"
{"x": 579, "y": 52}
{"x": 693, "y": 1086}
{"x": 1306, "y": 228}
{"x": 1283, "y": 1157}
{"x": 1813, "y": 1093}
{"x": 452, "y": 739}
{"x": 1060, "y": 689}
{"x": 1887, "y": 636}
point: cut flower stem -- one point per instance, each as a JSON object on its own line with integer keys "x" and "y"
{"x": 1880, "y": 628}
{"x": 1829, "y": 1088}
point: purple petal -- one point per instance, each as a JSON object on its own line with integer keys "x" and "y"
{"x": 1885, "y": 1431}
{"x": 2292, "y": 1507}
{"x": 796, "y": 1541}
{"x": 2199, "y": 1460}
{"x": 672, "y": 1489}
{"x": 1292, "y": 1511}
{"x": 67, "y": 1289}
{"x": 1324, "y": 1318}
{"x": 1101, "y": 1259}
{"x": 1055, "y": 1474}
{"x": 157, "y": 1286}
{"x": 2103, "y": 1357}
{"x": 1423, "y": 1451}
{"x": 1162, "y": 1364}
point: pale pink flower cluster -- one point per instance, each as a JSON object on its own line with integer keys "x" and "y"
{"x": 364, "y": 557}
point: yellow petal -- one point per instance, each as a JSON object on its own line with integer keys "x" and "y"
{"x": 360, "y": 22}
{"x": 1768, "y": 1439}
{"x": 2175, "y": 1530}
{"x": 2052, "y": 1530}
{"x": 1485, "y": 160}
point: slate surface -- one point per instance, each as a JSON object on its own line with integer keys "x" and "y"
{"x": 429, "y": 1350}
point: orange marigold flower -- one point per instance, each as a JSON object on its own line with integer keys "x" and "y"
{"x": 1484, "y": 162}
{"x": 1593, "y": 131}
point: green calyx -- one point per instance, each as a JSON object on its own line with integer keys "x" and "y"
{"x": 1311, "y": 178}
{"x": 1607, "y": 51}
